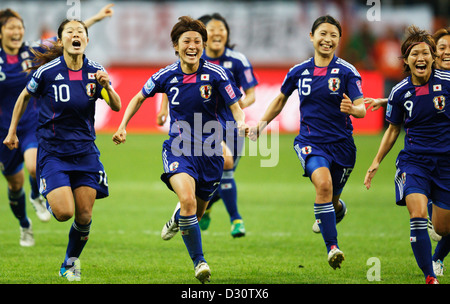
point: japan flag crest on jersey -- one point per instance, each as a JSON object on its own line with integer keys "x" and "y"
{"x": 205, "y": 91}
{"x": 90, "y": 89}
{"x": 334, "y": 84}
{"x": 439, "y": 102}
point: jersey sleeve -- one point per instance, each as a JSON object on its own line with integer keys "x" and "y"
{"x": 245, "y": 76}
{"x": 151, "y": 87}
{"x": 354, "y": 87}
{"x": 228, "y": 89}
{"x": 394, "y": 112}
{"x": 35, "y": 85}
{"x": 289, "y": 82}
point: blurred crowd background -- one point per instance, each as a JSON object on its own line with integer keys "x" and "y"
{"x": 274, "y": 35}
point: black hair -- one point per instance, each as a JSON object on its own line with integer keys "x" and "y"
{"x": 326, "y": 19}
{"x": 205, "y": 19}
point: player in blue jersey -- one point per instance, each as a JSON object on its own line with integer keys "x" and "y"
{"x": 442, "y": 39}
{"x": 330, "y": 91}
{"x": 423, "y": 167}
{"x": 220, "y": 51}
{"x": 68, "y": 161}
{"x": 198, "y": 92}
{"x": 15, "y": 57}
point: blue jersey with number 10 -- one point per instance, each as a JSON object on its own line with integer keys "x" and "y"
{"x": 67, "y": 106}
{"x": 321, "y": 92}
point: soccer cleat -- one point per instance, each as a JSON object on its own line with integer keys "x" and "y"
{"x": 39, "y": 205}
{"x": 335, "y": 257}
{"x": 171, "y": 227}
{"x": 431, "y": 280}
{"x": 202, "y": 272}
{"x": 237, "y": 228}
{"x": 438, "y": 267}
{"x": 26, "y": 236}
{"x": 205, "y": 220}
{"x": 339, "y": 217}
{"x": 433, "y": 235}
{"x": 71, "y": 272}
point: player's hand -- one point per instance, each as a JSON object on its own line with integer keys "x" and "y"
{"x": 370, "y": 175}
{"x": 161, "y": 117}
{"x": 120, "y": 136}
{"x": 253, "y": 133}
{"x": 102, "y": 78}
{"x": 243, "y": 129}
{"x": 104, "y": 12}
{"x": 373, "y": 103}
{"x": 346, "y": 105}
{"x": 11, "y": 141}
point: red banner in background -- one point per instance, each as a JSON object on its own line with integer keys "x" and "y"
{"x": 128, "y": 81}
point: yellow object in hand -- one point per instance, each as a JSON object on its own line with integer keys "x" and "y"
{"x": 105, "y": 95}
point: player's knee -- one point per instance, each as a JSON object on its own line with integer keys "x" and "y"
{"x": 63, "y": 216}
{"x": 324, "y": 187}
{"x": 188, "y": 204}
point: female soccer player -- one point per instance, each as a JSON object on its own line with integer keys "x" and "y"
{"x": 330, "y": 91}
{"x": 199, "y": 93}
{"x": 442, "y": 61}
{"x": 69, "y": 168}
{"x": 15, "y": 57}
{"x": 423, "y": 166}
{"x": 220, "y": 51}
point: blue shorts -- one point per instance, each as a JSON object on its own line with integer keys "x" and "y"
{"x": 425, "y": 174}
{"x": 205, "y": 170}
{"x": 73, "y": 171}
{"x": 339, "y": 158}
{"x": 11, "y": 161}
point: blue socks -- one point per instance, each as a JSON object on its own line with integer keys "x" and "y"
{"x": 442, "y": 249}
{"x": 421, "y": 245}
{"x": 78, "y": 237}
{"x": 326, "y": 218}
{"x": 34, "y": 188}
{"x": 17, "y": 204}
{"x": 443, "y": 246}
{"x": 228, "y": 193}
{"x": 190, "y": 232}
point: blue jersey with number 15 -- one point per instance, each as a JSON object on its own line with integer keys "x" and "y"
{"x": 321, "y": 92}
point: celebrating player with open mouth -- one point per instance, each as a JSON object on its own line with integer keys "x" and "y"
{"x": 198, "y": 92}
{"x": 68, "y": 162}
{"x": 423, "y": 166}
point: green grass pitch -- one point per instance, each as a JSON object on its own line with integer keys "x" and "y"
{"x": 277, "y": 206}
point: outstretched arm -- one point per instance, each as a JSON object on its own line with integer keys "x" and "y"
{"x": 388, "y": 141}
{"x": 106, "y": 11}
{"x": 121, "y": 134}
{"x": 272, "y": 111}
